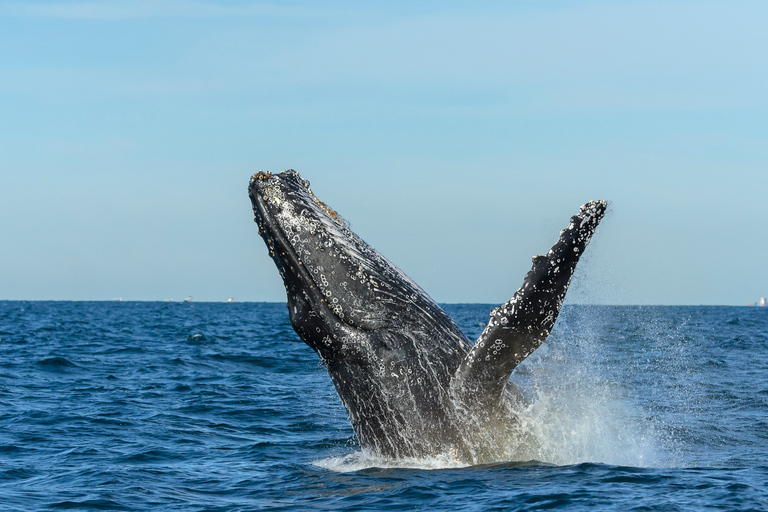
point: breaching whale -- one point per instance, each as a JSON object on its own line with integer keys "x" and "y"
{"x": 412, "y": 383}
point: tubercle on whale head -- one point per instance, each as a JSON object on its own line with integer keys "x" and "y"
{"x": 266, "y": 176}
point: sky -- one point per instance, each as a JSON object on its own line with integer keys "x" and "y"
{"x": 455, "y": 137}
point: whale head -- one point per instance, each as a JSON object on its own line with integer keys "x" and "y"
{"x": 334, "y": 280}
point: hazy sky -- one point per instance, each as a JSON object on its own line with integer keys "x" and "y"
{"x": 455, "y": 137}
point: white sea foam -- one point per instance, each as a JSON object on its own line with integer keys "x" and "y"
{"x": 361, "y": 460}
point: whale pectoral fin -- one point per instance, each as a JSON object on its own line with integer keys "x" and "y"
{"x": 521, "y": 325}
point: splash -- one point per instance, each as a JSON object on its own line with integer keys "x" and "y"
{"x": 576, "y": 411}
{"x": 579, "y": 409}
{"x": 560, "y": 428}
{"x": 581, "y": 417}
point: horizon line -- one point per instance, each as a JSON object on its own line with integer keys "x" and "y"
{"x": 183, "y": 301}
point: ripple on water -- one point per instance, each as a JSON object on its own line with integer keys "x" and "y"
{"x": 121, "y": 406}
{"x": 54, "y": 363}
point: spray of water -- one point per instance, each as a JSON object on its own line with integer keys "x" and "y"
{"x": 574, "y": 413}
{"x": 580, "y": 409}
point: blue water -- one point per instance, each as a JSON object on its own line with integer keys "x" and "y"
{"x": 203, "y": 406}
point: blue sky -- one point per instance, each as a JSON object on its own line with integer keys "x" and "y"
{"x": 457, "y": 139}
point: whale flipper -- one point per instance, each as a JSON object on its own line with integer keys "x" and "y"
{"x": 521, "y": 325}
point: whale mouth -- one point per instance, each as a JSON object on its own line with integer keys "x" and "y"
{"x": 311, "y": 245}
{"x": 267, "y": 193}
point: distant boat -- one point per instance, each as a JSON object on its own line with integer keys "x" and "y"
{"x": 761, "y": 302}
{"x": 188, "y": 299}
{"x": 230, "y": 299}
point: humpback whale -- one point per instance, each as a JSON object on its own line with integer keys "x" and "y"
{"x": 412, "y": 383}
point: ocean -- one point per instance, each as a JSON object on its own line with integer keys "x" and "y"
{"x": 220, "y": 407}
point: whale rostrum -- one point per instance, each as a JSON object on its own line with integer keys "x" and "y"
{"x": 412, "y": 383}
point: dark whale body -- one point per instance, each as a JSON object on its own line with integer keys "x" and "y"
{"x": 412, "y": 383}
